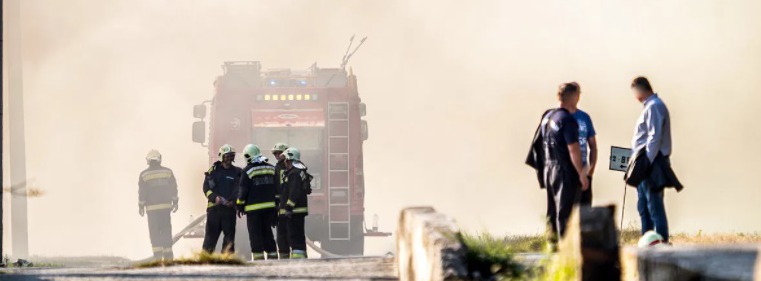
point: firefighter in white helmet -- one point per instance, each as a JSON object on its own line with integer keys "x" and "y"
{"x": 158, "y": 197}
{"x": 219, "y": 187}
{"x": 256, "y": 198}
{"x": 297, "y": 185}
{"x": 284, "y": 249}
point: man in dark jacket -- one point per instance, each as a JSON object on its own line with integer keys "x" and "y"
{"x": 295, "y": 201}
{"x": 256, "y": 198}
{"x": 561, "y": 168}
{"x": 284, "y": 249}
{"x": 652, "y": 139}
{"x": 158, "y": 196}
{"x": 220, "y": 187}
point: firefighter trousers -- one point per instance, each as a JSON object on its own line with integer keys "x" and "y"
{"x": 283, "y": 247}
{"x": 296, "y": 236}
{"x": 220, "y": 220}
{"x": 259, "y": 224}
{"x": 160, "y": 229}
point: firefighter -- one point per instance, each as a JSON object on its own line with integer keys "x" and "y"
{"x": 281, "y": 221}
{"x": 256, "y": 198}
{"x": 158, "y": 196}
{"x": 296, "y": 181}
{"x": 220, "y": 186}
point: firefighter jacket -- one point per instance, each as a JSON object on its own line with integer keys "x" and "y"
{"x": 279, "y": 171}
{"x": 295, "y": 196}
{"x": 157, "y": 188}
{"x": 221, "y": 182}
{"x": 257, "y": 187}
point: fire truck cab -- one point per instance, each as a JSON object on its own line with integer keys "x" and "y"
{"x": 317, "y": 110}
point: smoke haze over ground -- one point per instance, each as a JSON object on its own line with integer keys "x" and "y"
{"x": 454, "y": 91}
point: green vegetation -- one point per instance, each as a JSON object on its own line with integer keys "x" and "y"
{"x": 202, "y": 258}
{"x": 527, "y": 243}
{"x": 490, "y": 257}
{"x": 631, "y": 234}
{"x": 485, "y": 249}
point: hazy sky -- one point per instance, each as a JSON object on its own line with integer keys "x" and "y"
{"x": 454, "y": 90}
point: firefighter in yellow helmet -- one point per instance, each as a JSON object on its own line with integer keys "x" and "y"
{"x": 297, "y": 185}
{"x": 281, "y": 222}
{"x": 219, "y": 186}
{"x": 256, "y": 199}
{"x": 158, "y": 197}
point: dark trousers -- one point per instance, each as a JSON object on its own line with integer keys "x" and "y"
{"x": 563, "y": 193}
{"x": 160, "y": 229}
{"x": 259, "y": 224}
{"x": 283, "y": 247}
{"x": 586, "y": 195}
{"x": 296, "y": 236}
{"x": 651, "y": 209}
{"x": 220, "y": 220}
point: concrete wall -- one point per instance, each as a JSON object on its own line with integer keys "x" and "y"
{"x": 429, "y": 246}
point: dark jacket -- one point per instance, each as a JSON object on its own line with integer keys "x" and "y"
{"x": 219, "y": 181}
{"x": 295, "y": 196}
{"x": 279, "y": 171}
{"x": 257, "y": 187}
{"x": 157, "y": 188}
{"x": 535, "y": 157}
{"x": 659, "y": 172}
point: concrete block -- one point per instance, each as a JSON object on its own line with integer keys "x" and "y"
{"x": 429, "y": 246}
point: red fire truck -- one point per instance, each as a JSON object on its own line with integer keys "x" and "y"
{"x": 317, "y": 110}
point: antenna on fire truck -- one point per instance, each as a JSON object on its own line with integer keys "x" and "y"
{"x": 348, "y": 55}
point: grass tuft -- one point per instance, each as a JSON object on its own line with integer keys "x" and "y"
{"x": 490, "y": 258}
{"x": 202, "y": 258}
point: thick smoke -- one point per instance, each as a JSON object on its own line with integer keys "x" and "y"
{"x": 454, "y": 91}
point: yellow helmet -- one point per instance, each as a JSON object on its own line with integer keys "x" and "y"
{"x": 280, "y": 147}
{"x": 224, "y": 150}
{"x": 153, "y": 155}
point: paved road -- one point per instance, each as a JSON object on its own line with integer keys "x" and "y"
{"x": 361, "y": 268}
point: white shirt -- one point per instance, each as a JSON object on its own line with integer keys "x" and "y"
{"x": 653, "y": 129}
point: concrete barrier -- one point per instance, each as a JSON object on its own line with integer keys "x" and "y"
{"x": 726, "y": 263}
{"x": 429, "y": 246}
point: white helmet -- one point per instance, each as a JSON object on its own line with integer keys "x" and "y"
{"x": 153, "y": 155}
{"x": 650, "y": 239}
{"x": 251, "y": 152}
{"x": 292, "y": 154}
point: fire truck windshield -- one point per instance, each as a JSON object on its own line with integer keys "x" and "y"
{"x": 304, "y": 138}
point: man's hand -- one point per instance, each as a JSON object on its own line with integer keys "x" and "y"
{"x": 141, "y": 211}
{"x": 240, "y": 214}
{"x": 584, "y": 182}
{"x": 175, "y": 206}
{"x": 288, "y": 213}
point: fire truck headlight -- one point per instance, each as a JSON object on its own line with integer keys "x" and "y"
{"x": 273, "y": 82}
{"x": 267, "y": 97}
